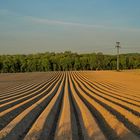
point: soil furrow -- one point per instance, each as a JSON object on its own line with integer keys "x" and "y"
{"x": 121, "y": 117}
{"x": 135, "y": 110}
{"x": 29, "y": 91}
{"x": 17, "y": 129}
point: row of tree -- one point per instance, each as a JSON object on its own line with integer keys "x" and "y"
{"x": 66, "y": 61}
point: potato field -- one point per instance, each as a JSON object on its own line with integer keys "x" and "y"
{"x": 71, "y": 105}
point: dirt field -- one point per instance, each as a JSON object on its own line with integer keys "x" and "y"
{"x": 84, "y": 105}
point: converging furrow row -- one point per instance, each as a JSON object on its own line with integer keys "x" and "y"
{"x": 68, "y": 106}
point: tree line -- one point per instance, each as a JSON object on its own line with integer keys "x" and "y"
{"x": 66, "y": 61}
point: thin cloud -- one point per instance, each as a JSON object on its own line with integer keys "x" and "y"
{"x": 36, "y": 20}
{"x": 5, "y": 12}
{"x": 59, "y": 22}
{"x": 73, "y": 24}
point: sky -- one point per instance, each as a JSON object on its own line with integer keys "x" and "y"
{"x": 83, "y": 26}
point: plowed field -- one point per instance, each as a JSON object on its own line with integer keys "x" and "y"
{"x": 84, "y": 105}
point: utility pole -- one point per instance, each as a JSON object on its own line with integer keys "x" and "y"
{"x": 118, "y": 47}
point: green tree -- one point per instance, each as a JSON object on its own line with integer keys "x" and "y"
{"x": 100, "y": 61}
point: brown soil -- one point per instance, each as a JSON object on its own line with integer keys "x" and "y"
{"x": 84, "y": 105}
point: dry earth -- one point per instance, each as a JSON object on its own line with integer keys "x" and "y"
{"x": 84, "y": 105}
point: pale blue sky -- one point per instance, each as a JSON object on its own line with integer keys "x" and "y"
{"x": 30, "y": 26}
